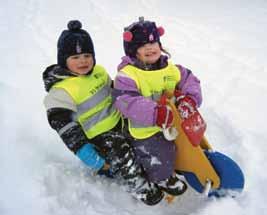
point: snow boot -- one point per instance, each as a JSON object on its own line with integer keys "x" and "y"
{"x": 173, "y": 185}
{"x": 149, "y": 193}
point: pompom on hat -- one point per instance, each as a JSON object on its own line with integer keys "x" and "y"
{"x": 138, "y": 34}
{"x": 74, "y": 41}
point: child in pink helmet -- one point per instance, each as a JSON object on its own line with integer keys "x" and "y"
{"x": 144, "y": 74}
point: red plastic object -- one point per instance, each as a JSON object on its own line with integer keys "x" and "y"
{"x": 194, "y": 127}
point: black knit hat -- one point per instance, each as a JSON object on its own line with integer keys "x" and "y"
{"x": 138, "y": 34}
{"x": 74, "y": 41}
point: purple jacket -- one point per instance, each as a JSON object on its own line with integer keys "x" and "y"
{"x": 140, "y": 109}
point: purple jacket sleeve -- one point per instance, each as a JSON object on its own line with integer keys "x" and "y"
{"x": 190, "y": 85}
{"x": 131, "y": 104}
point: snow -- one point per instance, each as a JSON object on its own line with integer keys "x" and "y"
{"x": 222, "y": 42}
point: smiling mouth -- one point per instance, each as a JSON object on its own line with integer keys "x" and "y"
{"x": 83, "y": 67}
{"x": 150, "y": 54}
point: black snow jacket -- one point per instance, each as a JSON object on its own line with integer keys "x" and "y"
{"x": 74, "y": 137}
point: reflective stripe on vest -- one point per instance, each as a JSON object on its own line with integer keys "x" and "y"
{"x": 95, "y": 99}
{"x": 151, "y": 84}
{"x": 92, "y": 96}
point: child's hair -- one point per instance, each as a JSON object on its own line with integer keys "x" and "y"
{"x": 138, "y": 34}
{"x": 74, "y": 41}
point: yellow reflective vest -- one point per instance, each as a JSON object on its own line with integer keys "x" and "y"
{"x": 92, "y": 96}
{"x": 151, "y": 84}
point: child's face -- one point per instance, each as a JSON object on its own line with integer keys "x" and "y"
{"x": 149, "y": 53}
{"x": 80, "y": 64}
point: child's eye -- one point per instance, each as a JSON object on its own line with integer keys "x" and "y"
{"x": 87, "y": 55}
{"x": 75, "y": 57}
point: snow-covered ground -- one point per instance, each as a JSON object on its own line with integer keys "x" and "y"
{"x": 223, "y": 42}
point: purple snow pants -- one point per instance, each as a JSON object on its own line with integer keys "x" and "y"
{"x": 156, "y": 155}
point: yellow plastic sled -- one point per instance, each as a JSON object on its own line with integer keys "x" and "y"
{"x": 207, "y": 171}
{"x": 192, "y": 159}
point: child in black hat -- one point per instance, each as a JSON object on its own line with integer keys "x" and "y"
{"x": 145, "y": 74}
{"x": 80, "y": 108}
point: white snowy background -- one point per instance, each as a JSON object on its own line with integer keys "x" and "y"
{"x": 222, "y": 42}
